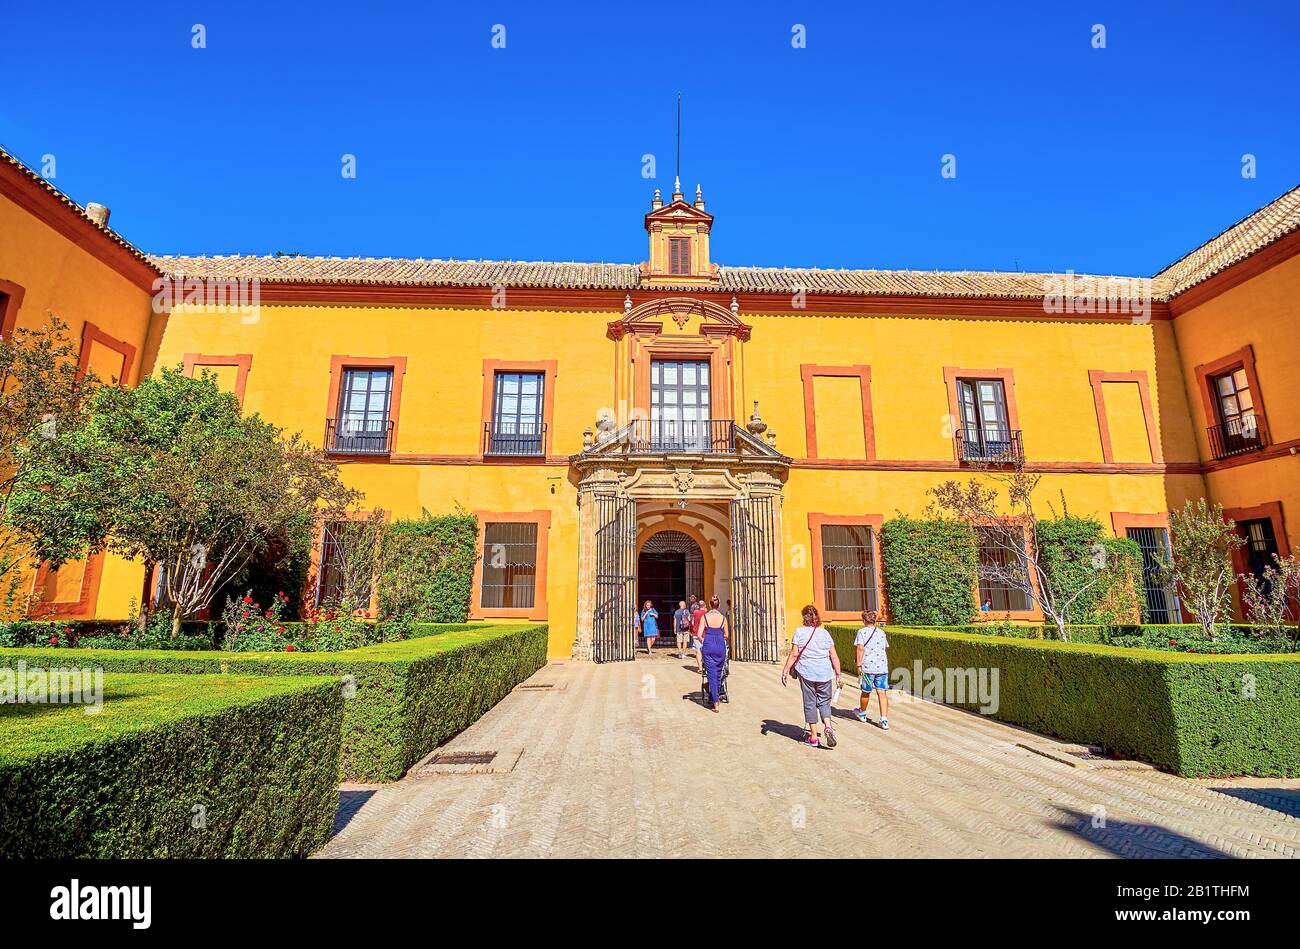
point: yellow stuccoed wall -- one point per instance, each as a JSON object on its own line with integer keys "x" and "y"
{"x": 1264, "y": 313}
{"x": 441, "y": 410}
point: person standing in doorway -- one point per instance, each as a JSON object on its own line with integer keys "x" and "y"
{"x": 873, "y": 666}
{"x": 682, "y": 627}
{"x": 714, "y": 635}
{"x": 649, "y": 626}
{"x": 813, "y": 657}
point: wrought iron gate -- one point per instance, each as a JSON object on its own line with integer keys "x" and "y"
{"x": 755, "y": 558}
{"x": 614, "y": 629}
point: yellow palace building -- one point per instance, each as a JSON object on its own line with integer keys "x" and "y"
{"x": 644, "y": 430}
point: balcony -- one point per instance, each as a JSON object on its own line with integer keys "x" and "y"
{"x": 358, "y": 437}
{"x": 1241, "y": 435}
{"x": 660, "y": 436}
{"x": 990, "y": 446}
{"x": 524, "y": 441}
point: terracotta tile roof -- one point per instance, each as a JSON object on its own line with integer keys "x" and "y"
{"x": 486, "y": 273}
{"x": 29, "y": 174}
{"x": 1248, "y": 236}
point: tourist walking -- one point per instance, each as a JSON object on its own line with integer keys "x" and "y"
{"x": 873, "y": 665}
{"x": 682, "y": 627}
{"x": 649, "y": 626}
{"x": 813, "y": 659}
{"x": 697, "y": 616}
{"x": 714, "y": 635}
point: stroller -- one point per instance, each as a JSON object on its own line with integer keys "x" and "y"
{"x": 722, "y": 685}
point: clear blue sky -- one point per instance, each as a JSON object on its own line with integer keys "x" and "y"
{"x": 1114, "y": 160}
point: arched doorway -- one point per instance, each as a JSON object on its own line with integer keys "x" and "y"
{"x": 669, "y": 566}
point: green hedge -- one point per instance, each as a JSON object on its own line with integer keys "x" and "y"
{"x": 1186, "y": 713}
{"x": 930, "y": 571}
{"x": 411, "y": 696}
{"x": 1186, "y": 636}
{"x": 259, "y": 756}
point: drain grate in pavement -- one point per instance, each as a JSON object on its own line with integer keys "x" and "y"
{"x": 1084, "y": 756}
{"x": 458, "y": 761}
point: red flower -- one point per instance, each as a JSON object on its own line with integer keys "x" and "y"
{"x": 54, "y": 640}
{"x": 248, "y": 599}
{"x": 279, "y": 629}
{"x": 1173, "y": 642}
{"x": 67, "y": 630}
{"x": 289, "y": 648}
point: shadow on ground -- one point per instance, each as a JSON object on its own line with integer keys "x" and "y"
{"x": 350, "y": 802}
{"x": 1283, "y": 800}
{"x": 1128, "y": 839}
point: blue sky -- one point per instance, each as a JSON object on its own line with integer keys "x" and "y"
{"x": 1112, "y": 160}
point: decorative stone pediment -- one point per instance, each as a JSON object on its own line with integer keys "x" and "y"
{"x": 648, "y": 318}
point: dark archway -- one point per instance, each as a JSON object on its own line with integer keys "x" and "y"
{"x": 669, "y": 566}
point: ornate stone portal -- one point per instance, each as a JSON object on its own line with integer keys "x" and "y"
{"x": 738, "y": 468}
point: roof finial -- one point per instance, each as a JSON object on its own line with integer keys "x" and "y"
{"x": 699, "y": 198}
{"x": 677, "y": 181}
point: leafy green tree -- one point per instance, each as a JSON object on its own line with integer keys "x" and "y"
{"x": 41, "y": 394}
{"x": 930, "y": 571}
{"x": 1099, "y": 575}
{"x": 170, "y": 473}
{"x": 427, "y": 567}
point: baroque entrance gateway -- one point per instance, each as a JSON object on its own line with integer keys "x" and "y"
{"x": 729, "y": 478}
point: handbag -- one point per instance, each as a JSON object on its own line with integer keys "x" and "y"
{"x": 794, "y": 673}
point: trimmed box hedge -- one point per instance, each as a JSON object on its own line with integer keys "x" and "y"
{"x": 173, "y": 766}
{"x": 1192, "y": 714}
{"x": 410, "y": 696}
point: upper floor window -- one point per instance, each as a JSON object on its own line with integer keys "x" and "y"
{"x": 362, "y": 425}
{"x": 679, "y": 256}
{"x": 1239, "y": 424}
{"x": 848, "y": 568}
{"x": 517, "y": 427}
{"x": 1003, "y": 574}
{"x": 985, "y": 433}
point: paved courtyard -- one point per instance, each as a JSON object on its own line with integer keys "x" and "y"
{"x": 621, "y": 760}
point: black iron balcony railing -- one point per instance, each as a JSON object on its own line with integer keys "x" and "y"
{"x": 359, "y": 436}
{"x": 990, "y": 446}
{"x": 1246, "y": 433}
{"x": 520, "y": 441}
{"x": 705, "y": 437}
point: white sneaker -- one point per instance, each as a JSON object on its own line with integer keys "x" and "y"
{"x": 884, "y": 723}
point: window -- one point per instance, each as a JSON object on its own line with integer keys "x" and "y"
{"x": 1238, "y": 428}
{"x": 1261, "y": 545}
{"x": 363, "y": 425}
{"x": 999, "y": 567}
{"x": 341, "y": 540}
{"x": 517, "y": 425}
{"x": 1162, "y": 602}
{"x": 848, "y": 568}
{"x": 509, "y": 566}
{"x": 679, "y": 256}
{"x": 679, "y": 405}
{"x": 985, "y": 433}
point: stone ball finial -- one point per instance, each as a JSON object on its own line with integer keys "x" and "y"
{"x": 735, "y": 305}
{"x": 771, "y": 439}
{"x": 627, "y": 303}
{"x": 588, "y": 440}
{"x": 606, "y": 426}
{"x": 756, "y": 424}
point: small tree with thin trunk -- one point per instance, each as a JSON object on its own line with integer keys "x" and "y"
{"x": 1011, "y": 533}
{"x": 1272, "y": 601}
{"x": 1199, "y": 561}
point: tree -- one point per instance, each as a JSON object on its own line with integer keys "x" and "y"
{"x": 43, "y": 393}
{"x": 172, "y": 474}
{"x": 1272, "y": 599}
{"x": 426, "y": 568}
{"x": 1199, "y": 561}
{"x": 1064, "y": 580}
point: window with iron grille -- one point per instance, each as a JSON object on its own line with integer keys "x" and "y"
{"x": 509, "y": 566}
{"x": 986, "y": 431}
{"x": 517, "y": 404}
{"x": 848, "y": 567}
{"x": 1261, "y": 546}
{"x": 679, "y": 256}
{"x": 1236, "y": 405}
{"x": 330, "y": 583}
{"x": 1162, "y": 602}
{"x": 997, "y": 593}
{"x": 365, "y": 398}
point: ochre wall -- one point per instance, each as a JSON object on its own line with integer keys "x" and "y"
{"x": 437, "y": 463}
{"x": 1263, "y": 313}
